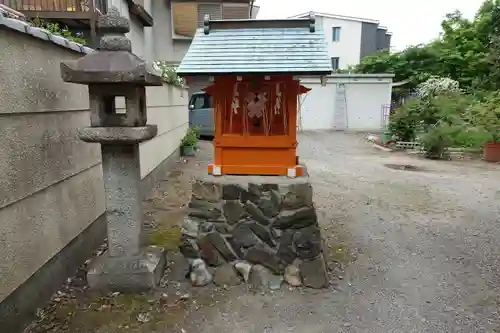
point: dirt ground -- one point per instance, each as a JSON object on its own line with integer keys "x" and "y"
{"x": 420, "y": 247}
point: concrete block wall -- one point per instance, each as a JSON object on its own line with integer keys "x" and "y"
{"x": 51, "y": 189}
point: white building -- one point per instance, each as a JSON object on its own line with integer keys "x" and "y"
{"x": 351, "y": 38}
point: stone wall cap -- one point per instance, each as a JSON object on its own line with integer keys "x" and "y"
{"x": 120, "y": 67}
{"x": 15, "y": 23}
{"x": 118, "y": 135}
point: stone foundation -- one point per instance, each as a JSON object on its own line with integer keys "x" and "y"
{"x": 269, "y": 222}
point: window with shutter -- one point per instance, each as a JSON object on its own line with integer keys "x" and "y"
{"x": 214, "y": 10}
{"x": 184, "y": 19}
{"x": 235, "y": 11}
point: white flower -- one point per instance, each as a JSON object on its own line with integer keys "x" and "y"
{"x": 436, "y": 86}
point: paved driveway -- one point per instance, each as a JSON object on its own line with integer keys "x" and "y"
{"x": 427, "y": 244}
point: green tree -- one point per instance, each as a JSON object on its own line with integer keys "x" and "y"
{"x": 467, "y": 51}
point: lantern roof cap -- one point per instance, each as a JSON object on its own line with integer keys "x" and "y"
{"x": 239, "y": 47}
{"x": 114, "y": 62}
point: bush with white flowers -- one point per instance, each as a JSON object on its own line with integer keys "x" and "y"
{"x": 437, "y": 86}
{"x": 169, "y": 73}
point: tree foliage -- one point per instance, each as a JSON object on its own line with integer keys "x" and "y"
{"x": 467, "y": 51}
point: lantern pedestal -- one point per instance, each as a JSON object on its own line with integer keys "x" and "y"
{"x": 131, "y": 273}
{"x": 114, "y": 71}
{"x": 268, "y": 221}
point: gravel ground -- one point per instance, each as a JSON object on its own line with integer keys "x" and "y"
{"x": 428, "y": 245}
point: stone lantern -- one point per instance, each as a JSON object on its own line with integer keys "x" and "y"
{"x": 114, "y": 71}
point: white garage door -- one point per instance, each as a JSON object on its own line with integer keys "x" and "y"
{"x": 364, "y": 105}
{"x": 317, "y": 107}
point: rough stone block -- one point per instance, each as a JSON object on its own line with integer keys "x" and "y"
{"x": 208, "y": 252}
{"x": 207, "y": 191}
{"x": 232, "y": 192}
{"x": 314, "y": 272}
{"x": 128, "y": 273}
{"x": 243, "y": 236}
{"x": 255, "y": 212}
{"x": 296, "y": 219}
{"x": 296, "y": 195}
{"x": 233, "y": 210}
{"x": 307, "y": 242}
{"x": 265, "y": 256}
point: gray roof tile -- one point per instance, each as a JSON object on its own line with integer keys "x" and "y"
{"x": 248, "y": 49}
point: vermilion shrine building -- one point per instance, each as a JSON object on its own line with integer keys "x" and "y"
{"x": 254, "y": 67}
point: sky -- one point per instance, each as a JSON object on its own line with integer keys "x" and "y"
{"x": 411, "y": 21}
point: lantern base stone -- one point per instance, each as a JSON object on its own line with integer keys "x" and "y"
{"x": 134, "y": 273}
{"x": 268, "y": 223}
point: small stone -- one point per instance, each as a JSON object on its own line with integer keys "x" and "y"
{"x": 261, "y": 232}
{"x": 256, "y": 213}
{"x": 224, "y": 248}
{"x": 243, "y": 237}
{"x": 244, "y": 269}
{"x": 296, "y": 219}
{"x": 307, "y": 242}
{"x": 226, "y": 275}
{"x": 265, "y": 256}
{"x": 199, "y": 276}
{"x": 233, "y": 211}
{"x": 259, "y": 277}
{"x": 275, "y": 282}
{"x": 314, "y": 273}
{"x": 190, "y": 226}
{"x": 295, "y": 196}
{"x": 208, "y": 252}
{"x": 207, "y": 191}
{"x": 189, "y": 248}
{"x": 286, "y": 251}
{"x": 292, "y": 274}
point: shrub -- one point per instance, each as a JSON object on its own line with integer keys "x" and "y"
{"x": 437, "y": 86}
{"x": 55, "y": 29}
{"x": 169, "y": 73}
{"x": 191, "y": 138}
{"x": 405, "y": 122}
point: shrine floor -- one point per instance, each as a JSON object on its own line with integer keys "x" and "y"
{"x": 412, "y": 250}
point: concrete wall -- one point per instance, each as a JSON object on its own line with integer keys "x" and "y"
{"x": 166, "y": 48}
{"x": 51, "y": 189}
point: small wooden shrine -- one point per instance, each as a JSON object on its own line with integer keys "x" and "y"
{"x": 253, "y": 66}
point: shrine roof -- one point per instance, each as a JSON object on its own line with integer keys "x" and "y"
{"x": 291, "y": 46}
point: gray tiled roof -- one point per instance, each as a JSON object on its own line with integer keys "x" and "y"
{"x": 252, "y": 48}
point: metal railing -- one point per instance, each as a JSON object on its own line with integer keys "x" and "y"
{"x": 56, "y": 5}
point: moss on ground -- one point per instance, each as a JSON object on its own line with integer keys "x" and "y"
{"x": 166, "y": 237}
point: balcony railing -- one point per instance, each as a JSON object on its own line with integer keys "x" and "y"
{"x": 57, "y": 9}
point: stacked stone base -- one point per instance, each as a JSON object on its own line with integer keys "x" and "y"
{"x": 265, "y": 226}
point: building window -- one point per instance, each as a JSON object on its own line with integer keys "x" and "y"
{"x": 335, "y": 63}
{"x": 188, "y": 16}
{"x": 335, "y": 34}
